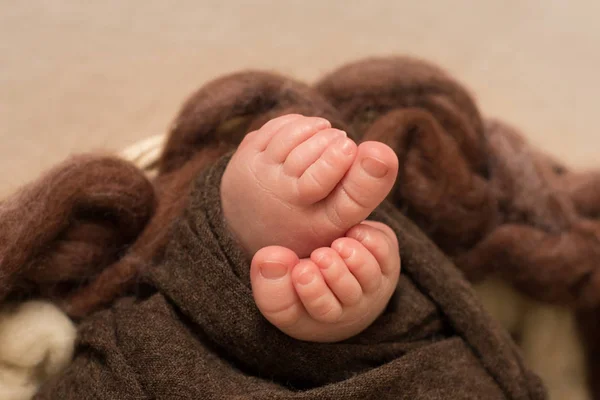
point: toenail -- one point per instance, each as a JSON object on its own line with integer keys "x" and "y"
{"x": 324, "y": 261}
{"x": 347, "y": 146}
{"x": 273, "y": 270}
{"x": 374, "y": 167}
{"x": 344, "y": 251}
{"x": 358, "y": 234}
{"x": 306, "y": 277}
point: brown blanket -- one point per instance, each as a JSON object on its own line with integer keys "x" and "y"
{"x": 196, "y": 332}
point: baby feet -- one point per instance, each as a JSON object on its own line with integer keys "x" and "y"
{"x": 336, "y": 293}
{"x": 298, "y": 183}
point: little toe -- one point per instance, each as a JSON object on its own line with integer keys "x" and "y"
{"x": 366, "y": 184}
{"x": 325, "y": 174}
{"x": 337, "y": 276}
{"x": 305, "y": 154}
{"x": 381, "y": 241}
{"x": 272, "y": 286}
{"x": 360, "y": 262}
{"x": 318, "y": 300}
{"x": 291, "y": 135}
{"x": 262, "y": 137}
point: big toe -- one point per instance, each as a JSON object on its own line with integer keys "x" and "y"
{"x": 364, "y": 187}
{"x": 272, "y": 285}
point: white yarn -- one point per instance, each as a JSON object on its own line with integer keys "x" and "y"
{"x": 37, "y": 341}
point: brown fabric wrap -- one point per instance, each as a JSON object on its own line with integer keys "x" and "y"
{"x": 200, "y": 334}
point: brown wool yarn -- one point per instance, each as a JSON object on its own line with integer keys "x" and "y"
{"x": 479, "y": 190}
{"x": 545, "y": 244}
{"x": 59, "y": 231}
{"x": 369, "y": 88}
{"x": 432, "y": 123}
{"x": 117, "y": 278}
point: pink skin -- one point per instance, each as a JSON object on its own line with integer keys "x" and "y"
{"x": 296, "y": 185}
{"x": 336, "y": 293}
{"x": 300, "y": 184}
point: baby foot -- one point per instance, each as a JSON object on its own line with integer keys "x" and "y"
{"x": 298, "y": 183}
{"x": 336, "y": 293}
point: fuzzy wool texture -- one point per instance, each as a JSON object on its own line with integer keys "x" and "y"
{"x": 59, "y": 231}
{"x": 37, "y": 342}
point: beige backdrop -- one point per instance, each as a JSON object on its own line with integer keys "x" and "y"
{"x": 78, "y": 76}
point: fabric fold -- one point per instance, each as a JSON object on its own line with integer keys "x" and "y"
{"x": 195, "y": 332}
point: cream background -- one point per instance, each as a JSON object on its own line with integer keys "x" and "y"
{"x": 78, "y": 76}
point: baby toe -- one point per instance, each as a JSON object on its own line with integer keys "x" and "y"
{"x": 272, "y": 286}
{"x": 263, "y": 136}
{"x": 293, "y": 134}
{"x": 325, "y": 174}
{"x": 308, "y": 152}
{"x": 360, "y": 262}
{"x": 337, "y": 276}
{"x": 364, "y": 186}
{"x": 317, "y": 298}
{"x": 381, "y": 241}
